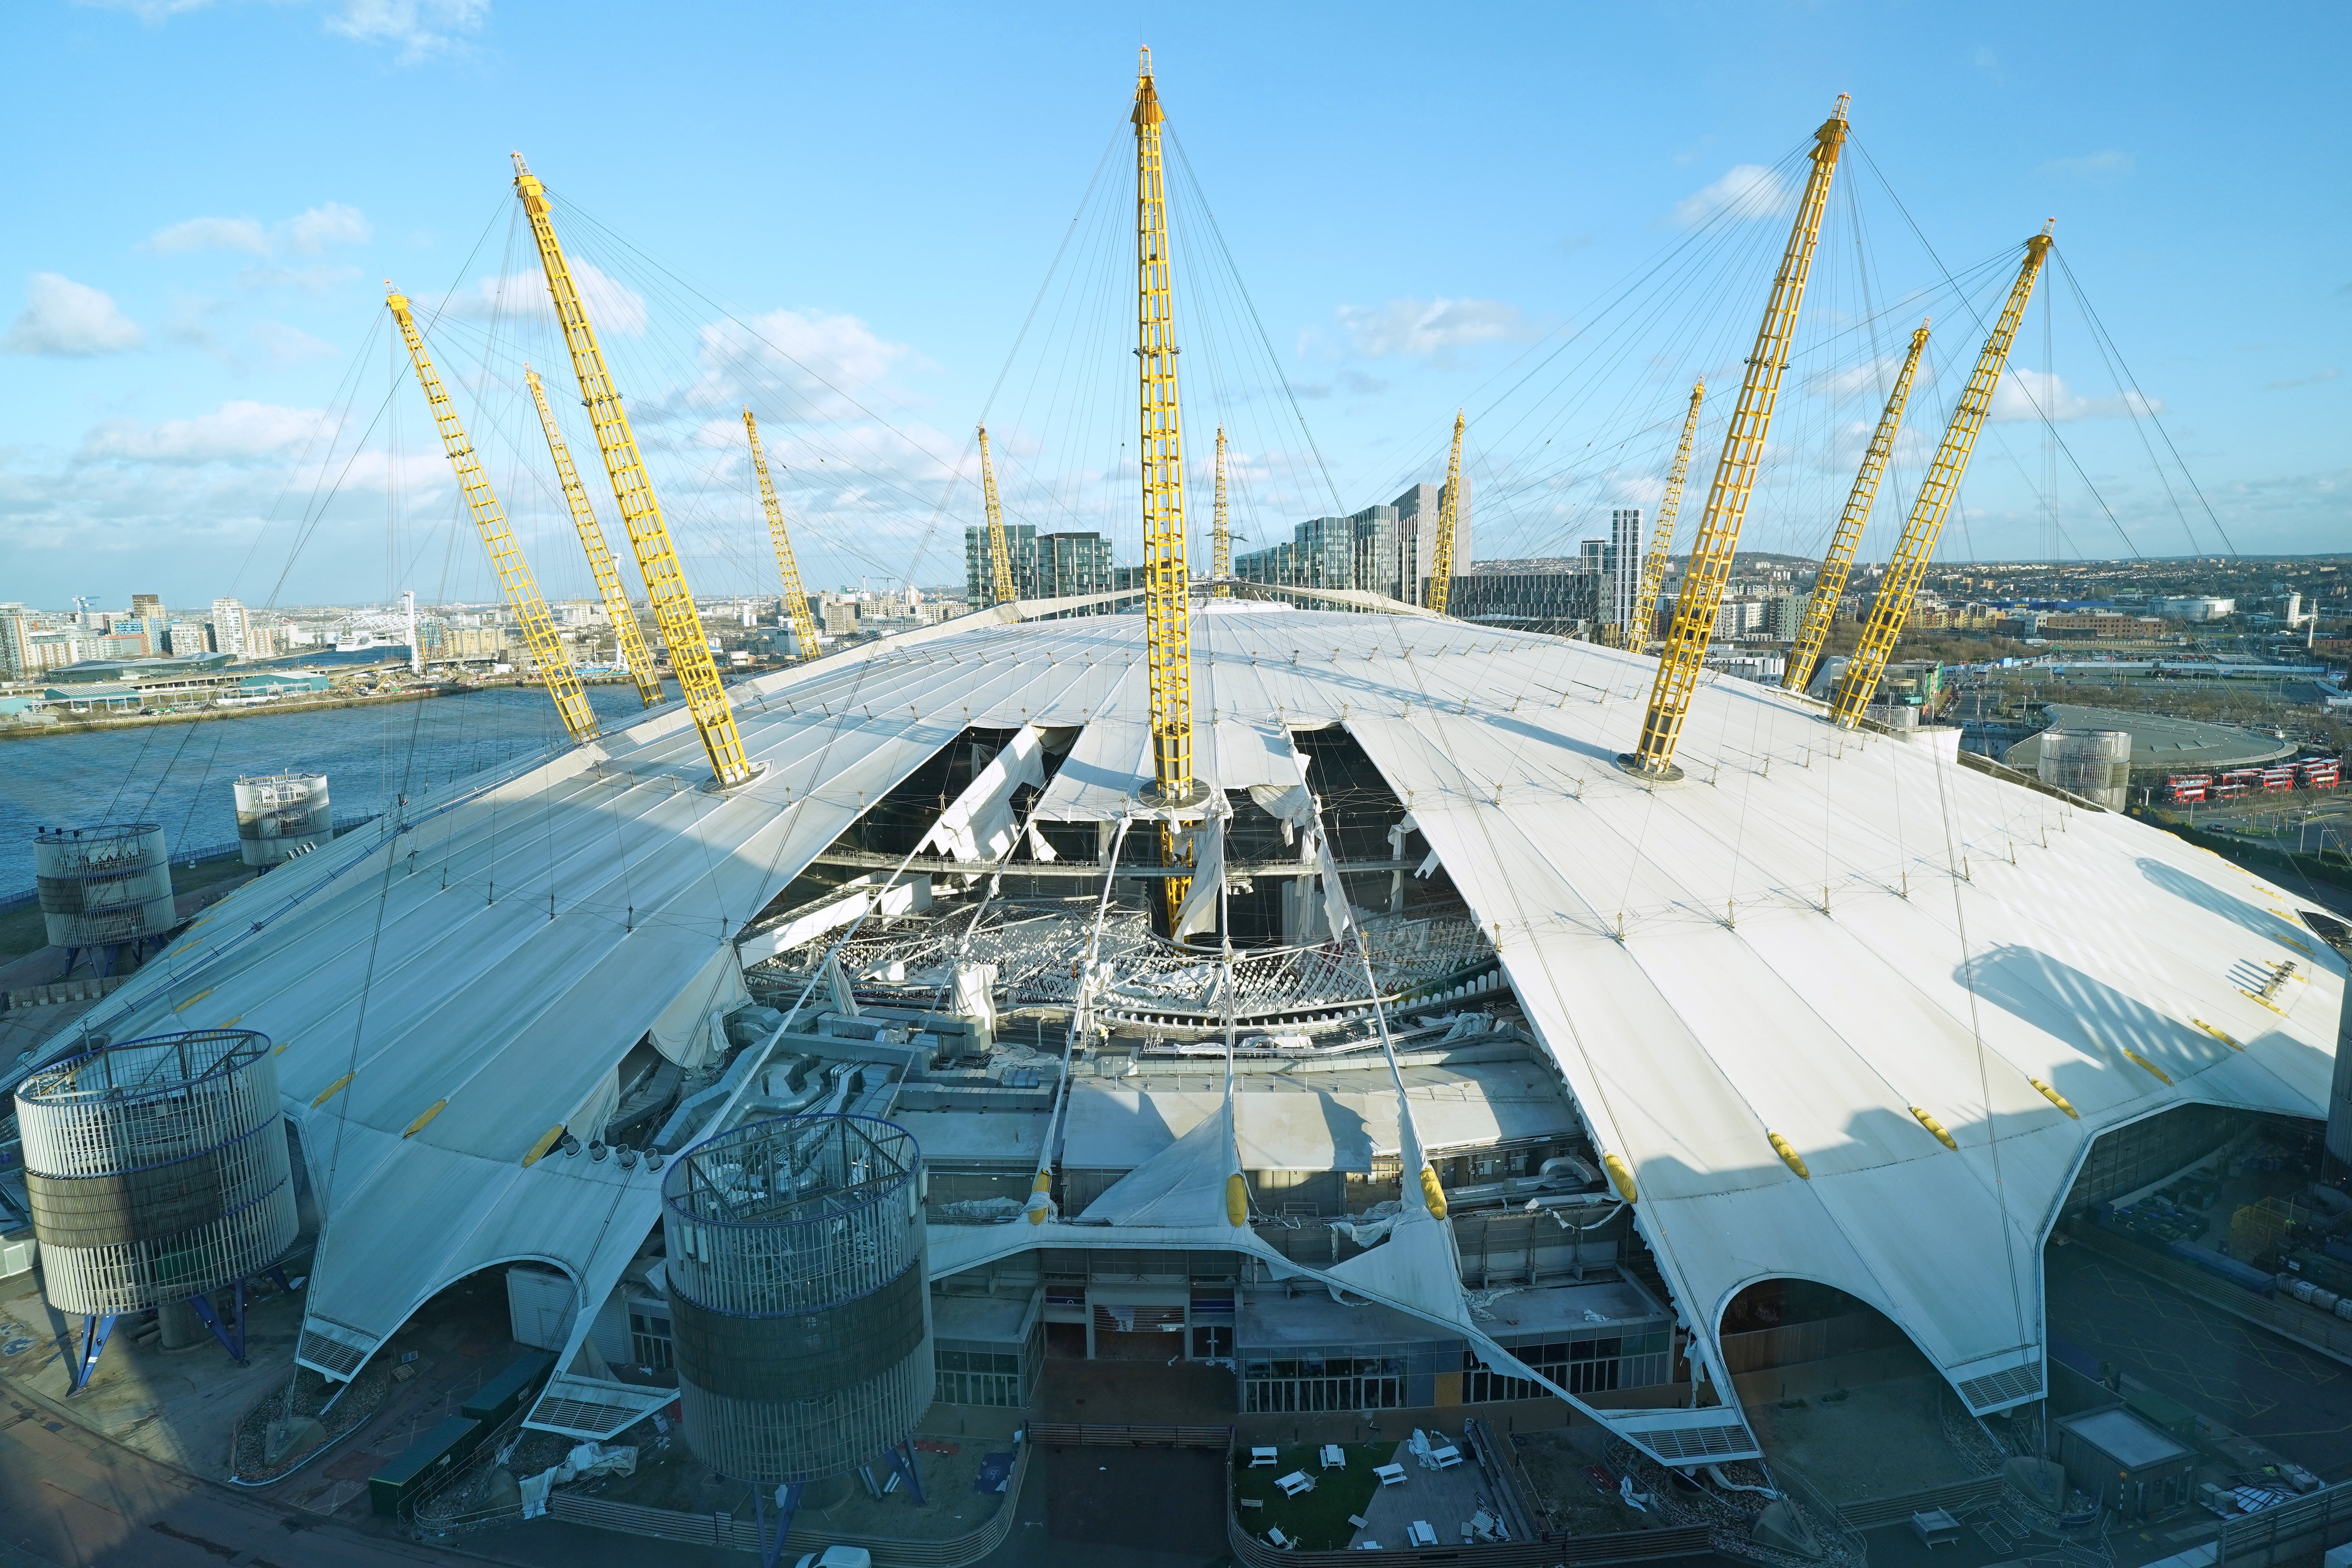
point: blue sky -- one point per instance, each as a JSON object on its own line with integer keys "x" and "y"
{"x": 209, "y": 192}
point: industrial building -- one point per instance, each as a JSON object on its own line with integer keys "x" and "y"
{"x": 1657, "y": 1055}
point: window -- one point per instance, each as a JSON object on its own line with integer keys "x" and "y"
{"x": 1323, "y": 1382}
{"x": 649, "y": 1338}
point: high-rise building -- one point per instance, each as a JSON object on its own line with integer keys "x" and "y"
{"x": 1624, "y": 565}
{"x": 228, "y": 627}
{"x": 1417, "y": 512}
{"x": 1359, "y": 552}
{"x": 183, "y": 639}
{"x": 146, "y": 605}
{"x": 1045, "y": 565}
{"x": 17, "y": 625}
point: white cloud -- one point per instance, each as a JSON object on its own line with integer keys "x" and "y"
{"x": 237, "y": 431}
{"x": 288, "y": 345}
{"x": 805, "y": 365}
{"x": 1424, "y": 327}
{"x": 2107, "y": 165}
{"x": 209, "y": 233}
{"x": 1745, "y": 191}
{"x": 2031, "y": 394}
{"x": 330, "y": 225}
{"x": 315, "y": 279}
{"x": 63, "y": 317}
{"x": 421, "y": 28}
{"x": 613, "y": 306}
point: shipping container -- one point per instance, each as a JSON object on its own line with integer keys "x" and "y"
{"x": 505, "y": 1392}
{"x": 2229, "y": 1268}
{"x": 447, "y": 1443}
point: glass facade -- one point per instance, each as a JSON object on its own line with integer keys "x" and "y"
{"x": 1581, "y": 1366}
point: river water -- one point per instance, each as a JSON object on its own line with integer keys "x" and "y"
{"x": 180, "y": 774}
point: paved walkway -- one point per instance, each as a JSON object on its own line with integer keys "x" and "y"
{"x": 1445, "y": 1499}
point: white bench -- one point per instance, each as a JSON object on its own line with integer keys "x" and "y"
{"x": 1445, "y": 1457}
{"x": 1420, "y": 1534}
{"x": 1334, "y": 1456}
{"x": 1296, "y": 1482}
{"x": 1286, "y": 1542}
{"x": 1390, "y": 1474}
{"x": 1260, "y": 1456}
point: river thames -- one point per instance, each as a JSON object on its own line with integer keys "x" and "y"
{"x": 179, "y": 775}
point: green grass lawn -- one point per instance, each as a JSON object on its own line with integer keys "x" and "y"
{"x": 1318, "y": 1519}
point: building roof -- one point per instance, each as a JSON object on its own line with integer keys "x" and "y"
{"x": 146, "y": 671}
{"x": 2159, "y": 745}
{"x": 1772, "y": 948}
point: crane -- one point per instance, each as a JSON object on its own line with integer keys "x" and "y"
{"x": 490, "y": 519}
{"x": 1891, "y": 606}
{"x": 1662, "y": 537}
{"x": 1220, "y": 533}
{"x": 1734, "y": 473}
{"x": 673, "y": 601}
{"x": 1167, "y": 575}
{"x": 626, "y": 636}
{"x": 796, "y": 604}
{"x": 1830, "y": 586}
{"x": 1441, "y": 549}
{"x": 999, "y": 555}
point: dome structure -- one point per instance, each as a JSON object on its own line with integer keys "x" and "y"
{"x": 1842, "y": 1005}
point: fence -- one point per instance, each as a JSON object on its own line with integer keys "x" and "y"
{"x": 1632, "y": 1546}
{"x": 730, "y": 1533}
{"x": 2303, "y": 1528}
{"x": 1066, "y": 1435}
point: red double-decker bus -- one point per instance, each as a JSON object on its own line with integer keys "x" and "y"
{"x": 2322, "y": 772}
{"x": 2186, "y": 788}
{"x": 2278, "y": 778}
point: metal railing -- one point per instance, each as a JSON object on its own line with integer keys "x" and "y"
{"x": 1065, "y": 1435}
{"x": 2285, "y": 1532}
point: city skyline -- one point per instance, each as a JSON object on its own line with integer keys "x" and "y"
{"x": 172, "y": 352}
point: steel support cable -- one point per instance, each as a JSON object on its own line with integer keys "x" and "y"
{"x": 2072, "y": 461}
{"x": 2137, "y": 403}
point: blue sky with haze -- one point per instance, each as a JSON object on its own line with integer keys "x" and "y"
{"x": 1421, "y": 201}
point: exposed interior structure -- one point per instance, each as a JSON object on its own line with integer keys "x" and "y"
{"x": 1658, "y": 1043}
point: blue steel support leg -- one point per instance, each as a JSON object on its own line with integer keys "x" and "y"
{"x": 94, "y": 1332}
{"x": 235, "y": 1347}
{"x": 278, "y": 1272}
{"x": 788, "y": 1503}
{"x": 902, "y": 1459}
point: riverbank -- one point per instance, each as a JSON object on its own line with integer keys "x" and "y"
{"x": 93, "y": 724}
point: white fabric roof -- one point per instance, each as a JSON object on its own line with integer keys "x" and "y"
{"x": 1671, "y": 949}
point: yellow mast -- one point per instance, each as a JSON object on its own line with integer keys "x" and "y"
{"x": 1830, "y": 586}
{"x": 1891, "y": 606}
{"x": 1000, "y": 553}
{"x": 490, "y": 519}
{"x": 1734, "y": 472}
{"x": 1636, "y": 631}
{"x": 626, "y": 636}
{"x": 1167, "y": 569}
{"x": 673, "y": 601}
{"x": 1441, "y": 552}
{"x": 1221, "y": 537}
{"x": 788, "y": 567}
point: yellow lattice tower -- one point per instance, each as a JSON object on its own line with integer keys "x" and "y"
{"x": 1449, "y": 510}
{"x": 522, "y": 595}
{"x": 1830, "y": 586}
{"x": 1636, "y": 633}
{"x": 1167, "y": 571}
{"x": 1221, "y": 534}
{"x": 1891, "y": 606}
{"x": 625, "y": 633}
{"x": 1000, "y": 553}
{"x": 673, "y": 601}
{"x": 788, "y": 566}
{"x": 1734, "y": 472}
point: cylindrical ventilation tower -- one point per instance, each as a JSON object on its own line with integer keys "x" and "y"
{"x": 800, "y": 1313}
{"x": 103, "y": 887}
{"x": 157, "y": 1170}
{"x": 2092, "y": 764}
{"x": 282, "y": 816}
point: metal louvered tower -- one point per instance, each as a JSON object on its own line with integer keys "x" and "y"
{"x": 1892, "y": 607}
{"x": 522, "y": 593}
{"x": 157, "y": 1171}
{"x": 1805, "y": 652}
{"x": 799, "y": 1308}
{"x": 627, "y": 637}
{"x": 788, "y": 566}
{"x": 1734, "y": 473}
{"x": 1220, "y": 533}
{"x": 1167, "y": 564}
{"x": 673, "y": 601}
